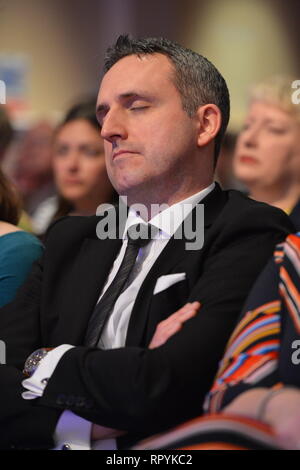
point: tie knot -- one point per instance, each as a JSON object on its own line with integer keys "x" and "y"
{"x": 141, "y": 234}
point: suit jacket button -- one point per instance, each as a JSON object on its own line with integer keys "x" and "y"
{"x": 66, "y": 447}
{"x": 70, "y": 401}
{"x": 89, "y": 403}
{"x": 80, "y": 402}
{"x": 61, "y": 399}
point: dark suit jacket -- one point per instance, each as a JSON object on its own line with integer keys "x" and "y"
{"x": 295, "y": 216}
{"x": 132, "y": 388}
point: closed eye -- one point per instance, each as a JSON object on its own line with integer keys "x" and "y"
{"x": 138, "y": 108}
{"x": 276, "y": 130}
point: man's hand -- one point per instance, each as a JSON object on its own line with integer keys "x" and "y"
{"x": 167, "y": 328}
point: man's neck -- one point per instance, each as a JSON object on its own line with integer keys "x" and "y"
{"x": 149, "y": 208}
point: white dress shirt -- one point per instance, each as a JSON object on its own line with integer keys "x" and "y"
{"x": 71, "y": 429}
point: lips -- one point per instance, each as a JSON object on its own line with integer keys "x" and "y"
{"x": 71, "y": 181}
{"x": 248, "y": 159}
{"x": 122, "y": 152}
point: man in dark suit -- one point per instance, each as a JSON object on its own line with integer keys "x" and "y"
{"x": 163, "y": 111}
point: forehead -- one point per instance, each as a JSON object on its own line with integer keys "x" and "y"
{"x": 79, "y": 129}
{"x": 149, "y": 72}
{"x": 268, "y": 111}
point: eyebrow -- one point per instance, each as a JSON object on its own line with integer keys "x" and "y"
{"x": 268, "y": 120}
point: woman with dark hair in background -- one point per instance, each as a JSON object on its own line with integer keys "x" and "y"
{"x": 6, "y": 132}
{"x": 79, "y": 168}
{"x": 18, "y": 249}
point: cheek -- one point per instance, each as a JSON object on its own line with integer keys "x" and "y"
{"x": 107, "y": 156}
{"x": 240, "y": 143}
{"x": 59, "y": 168}
{"x": 280, "y": 156}
{"x": 170, "y": 140}
{"x": 107, "y": 149}
{"x": 237, "y": 151}
{"x": 93, "y": 172}
{"x": 277, "y": 163}
{"x": 176, "y": 131}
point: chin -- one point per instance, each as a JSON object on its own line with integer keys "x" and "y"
{"x": 73, "y": 197}
{"x": 127, "y": 185}
{"x": 245, "y": 175}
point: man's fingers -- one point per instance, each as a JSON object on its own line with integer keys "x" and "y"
{"x": 177, "y": 323}
{"x": 188, "y": 306}
{"x": 162, "y": 337}
{"x": 187, "y": 315}
{"x": 173, "y": 324}
{"x": 182, "y": 312}
{"x": 176, "y": 326}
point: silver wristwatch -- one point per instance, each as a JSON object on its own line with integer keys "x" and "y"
{"x": 32, "y": 362}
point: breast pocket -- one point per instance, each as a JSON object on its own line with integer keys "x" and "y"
{"x": 165, "y": 302}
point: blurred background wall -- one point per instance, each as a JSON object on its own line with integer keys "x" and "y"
{"x": 59, "y": 44}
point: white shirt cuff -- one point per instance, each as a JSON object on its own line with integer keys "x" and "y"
{"x": 72, "y": 432}
{"x": 36, "y": 384}
{"x": 105, "y": 444}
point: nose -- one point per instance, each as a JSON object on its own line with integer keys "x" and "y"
{"x": 250, "y": 136}
{"x": 72, "y": 161}
{"x": 114, "y": 127}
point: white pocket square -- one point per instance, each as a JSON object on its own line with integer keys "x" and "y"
{"x": 163, "y": 282}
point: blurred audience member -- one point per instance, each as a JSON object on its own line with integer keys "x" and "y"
{"x": 6, "y": 134}
{"x": 224, "y": 169}
{"x": 18, "y": 249}
{"x": 33, "y": 172}
{"x": 79, "y": 168}
{"x": 259, "y": 376}
{"x": 267, "y": 156}
{"x": 6, "y": 138}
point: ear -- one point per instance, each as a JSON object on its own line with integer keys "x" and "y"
{"x": 209, "y": 122}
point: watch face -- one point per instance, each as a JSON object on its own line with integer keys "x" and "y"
{"x": 33, "y": 361}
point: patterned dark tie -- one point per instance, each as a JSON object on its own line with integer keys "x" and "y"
{"x": 138, "y": 235}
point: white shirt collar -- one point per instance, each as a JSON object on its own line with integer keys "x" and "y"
{"x": 171, "y": 218}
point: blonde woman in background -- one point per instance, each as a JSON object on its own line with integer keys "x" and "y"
{"x": 267, "y": 155}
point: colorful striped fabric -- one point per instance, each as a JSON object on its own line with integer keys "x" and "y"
{"x": 252, "y": 354}
{"x": 258, "y": 355}
{"x": 214, "y": 432}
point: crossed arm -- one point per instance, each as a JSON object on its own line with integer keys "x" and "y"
{"x": 164, "y": 330}
{"x": 281, "y": 410}
{"x": 135, "y": 388}
{"x": 279, "y": 407}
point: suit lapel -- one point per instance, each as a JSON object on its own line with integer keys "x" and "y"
{"x": 86, "y": 280}
{"x": 174, "y": 253}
